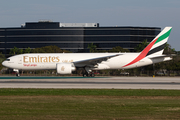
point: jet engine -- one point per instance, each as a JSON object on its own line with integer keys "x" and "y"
{"x": 65, "y": 68}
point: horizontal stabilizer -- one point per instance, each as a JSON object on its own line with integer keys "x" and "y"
{"x": 161, "y": 56}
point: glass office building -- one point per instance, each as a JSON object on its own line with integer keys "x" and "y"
{"x": 74, "y": 37}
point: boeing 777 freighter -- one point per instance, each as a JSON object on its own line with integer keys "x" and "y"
{"x": 65, "y": 63}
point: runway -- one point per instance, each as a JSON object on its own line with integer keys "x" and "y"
{"x": 91, "y": 83}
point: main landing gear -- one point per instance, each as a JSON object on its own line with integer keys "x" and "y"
{"x": 91, "y": 74}
{"x": 88, "y": 72}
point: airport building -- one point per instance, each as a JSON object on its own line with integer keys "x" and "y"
{"x": 74, "y": 37}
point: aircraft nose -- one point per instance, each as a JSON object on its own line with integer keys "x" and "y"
{"x": 4, "y": 63}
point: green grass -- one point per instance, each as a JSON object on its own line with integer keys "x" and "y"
{"x": 87, "y": 92}
{"x": 45, "y": 104}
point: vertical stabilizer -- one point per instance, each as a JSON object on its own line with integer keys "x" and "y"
{"x": 159, "y": 42}
{"x": 155, "y": 47}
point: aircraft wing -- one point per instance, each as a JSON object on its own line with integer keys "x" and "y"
{"x": 93, "y": 61}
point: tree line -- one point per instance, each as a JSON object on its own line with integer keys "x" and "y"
{"x": 93, "y": 49}
{"x": 45, "y": 49}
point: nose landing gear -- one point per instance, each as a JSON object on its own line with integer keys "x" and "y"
{"x": 17, "y": 72}
{"x": 17, "y": 75}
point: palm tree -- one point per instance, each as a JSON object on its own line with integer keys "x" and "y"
{"x": 14, "y": 51}
{"x": 92, "y": 47}
{"x": 141, "y": 46}
{"x": 27, "y": 50}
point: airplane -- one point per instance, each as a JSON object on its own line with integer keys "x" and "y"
{"x": 65, "y": 63}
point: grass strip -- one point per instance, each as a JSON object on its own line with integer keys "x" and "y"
{"x": 87, "y": 92}
{"x": 87, "y": 104}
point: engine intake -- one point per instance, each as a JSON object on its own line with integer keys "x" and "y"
{"x": 65, "y": 68}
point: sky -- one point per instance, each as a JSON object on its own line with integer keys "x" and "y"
{"x": 137, "y": 13}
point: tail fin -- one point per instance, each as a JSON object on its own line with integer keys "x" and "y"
{"x": 158, "y": 43}
{"x": 155, "y": 47}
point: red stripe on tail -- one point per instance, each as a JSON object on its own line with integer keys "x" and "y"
{"x": 142, "y": 54}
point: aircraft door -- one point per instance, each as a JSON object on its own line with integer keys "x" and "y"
{"x": 19, "y": 60}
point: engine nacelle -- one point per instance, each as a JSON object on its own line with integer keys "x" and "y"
{"x": 65, "y": 68}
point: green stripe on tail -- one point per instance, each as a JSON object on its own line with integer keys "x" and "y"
{"x": 164, "y": 36}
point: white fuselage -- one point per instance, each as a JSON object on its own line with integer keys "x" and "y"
{"x": 47, "y": 61}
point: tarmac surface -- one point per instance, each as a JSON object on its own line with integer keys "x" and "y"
{"x": 91, "y": 82}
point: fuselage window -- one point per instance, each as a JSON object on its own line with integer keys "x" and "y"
{"x": 7, "y": 59}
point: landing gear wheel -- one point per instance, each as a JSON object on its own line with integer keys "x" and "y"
{"x": 92, "y": 74}
{"x": 17, "y": 74}
{"x": 88, "y": 75}
{"x": 84, "y": 75}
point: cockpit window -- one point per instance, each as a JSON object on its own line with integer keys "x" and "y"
{"x": 7, "y": 60}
